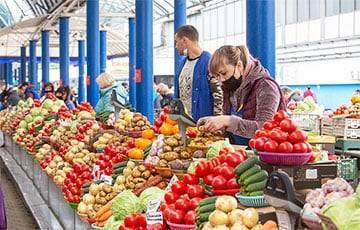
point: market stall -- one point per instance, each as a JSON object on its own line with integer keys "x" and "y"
{"x": 121, "y": 172}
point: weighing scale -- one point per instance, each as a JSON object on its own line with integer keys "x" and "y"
{"x": 118, "y": 105}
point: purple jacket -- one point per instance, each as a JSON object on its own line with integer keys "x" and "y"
{"x": 260, "y": 98}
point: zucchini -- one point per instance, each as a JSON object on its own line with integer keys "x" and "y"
{"x": 257, "y": 193}
{"x": 248, "y": 163}
{"x": 120, "y": 164}
{"x": 118, "y": 170}
{"x": 251, "y": 171}
{"x": 256, "y": 186}
{"x": 206, "y": 208}
{"x": 206, "y": 201}
{"x": 203, "y": 217}
{"x": 260, "y": 176}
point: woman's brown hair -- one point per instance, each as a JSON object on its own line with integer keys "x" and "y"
{"x": 228, "y": 55}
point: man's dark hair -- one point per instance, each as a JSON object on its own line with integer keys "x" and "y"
{"x": 49, "y": 84}
{"x": 64, "y": 90}
{"x": 188, "y": 31}
{"x": 24, "y": 84}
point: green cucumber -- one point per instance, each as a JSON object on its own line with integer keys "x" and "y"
{"x": 256, "y": 186}
{"x": 203, "y": 217}
{"x": 260, "y": 176}
{"x": 206, "y": 208}
{"x": 248, "y": 163}
{"x": 257, "y": 193}
{"x": 206, "y": 201}
{"x": 251, "y": 171}
{"x": 120, "y": 164}
{"x": 118, "y": 170}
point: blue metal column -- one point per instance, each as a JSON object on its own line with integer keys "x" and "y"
{"x": 22, "y": 77}
{"x": 103, "y": 56}
{"x": 260, "y": 32}
{"x": 64, "y": 51}
{"x": 2, "y": 71}
{"x": 45, "y": 58}
{"x": 81, "y": 62}
{"x": 179, "y": 20}
{"x": 10, "y": 79}
{"x": 93, "y": 50}
{"x": 32, "y": 65}
{"x": 144, "y": 58}
{"x": 132, "y": 62}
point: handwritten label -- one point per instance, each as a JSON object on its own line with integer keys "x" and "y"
{"x": 172, "y": 181}
{"x": 153, "y": 206}
{"x": 311, "y": 174}
{"x": 106, "y": 179}
{"x": 283, "y": 220}
{"x": 96, "y": 172}
{"x": 154, "y": 218}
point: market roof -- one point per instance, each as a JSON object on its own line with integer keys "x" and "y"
{"x": 23, "y": 20}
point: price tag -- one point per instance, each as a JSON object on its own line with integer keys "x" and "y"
{"x": 311, "y": 174}
{"x": 153, "y": 206}
{"x": 283, "y": 220}
{"x": 172, "y": 181}
{"x": 154, "y": 218}
{"x": 95, "y": 172}
{"x": 106, "y": 179}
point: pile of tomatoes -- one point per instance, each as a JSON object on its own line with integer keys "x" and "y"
{"x": 138, "y": 222}
{"x": 280, "y": 135}
{"x": 74, "y": 181}
{"x": 110, "y": 156}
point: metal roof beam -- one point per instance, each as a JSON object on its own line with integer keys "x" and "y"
{"x": 102, "y": 15}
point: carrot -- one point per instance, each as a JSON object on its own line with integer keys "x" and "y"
{"x": 101, "y": 224}
{"x": 104, "y": 209}
{"x": 105, "y": 216}
{"x": 152, "y": 181}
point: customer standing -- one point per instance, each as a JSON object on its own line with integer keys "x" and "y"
{"x": 200, "y": 94}
{"x": 166, "y": 94}
{"x": 309, "y": 93}
{"x": 251, "y": 96}
{"x": 63, "y": 93}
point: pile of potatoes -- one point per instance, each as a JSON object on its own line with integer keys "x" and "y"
{"x": 135, "y": 175}
{"x": 204, "y": 138}
{"x": 138, "y": 123}
{"x": 173, "y": 150}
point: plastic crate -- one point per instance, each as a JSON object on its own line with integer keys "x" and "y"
{"x": 307, "y": 122}
{"x": 327, "y": 130}
{"x": 347, "y": 168}
{"x": 346, "y": 133}
{"x": 350, "y": 123}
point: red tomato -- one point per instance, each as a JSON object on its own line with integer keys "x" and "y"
{"x": 234, "y": 159}
{"x": 79, "y": 182}
{"x": 219, "y": 182}
{"x": 297, "y": 136}
{"x": 222, "y": 158}
{"x": 285, "y": 147}
{"x": 77, "y": 168}
{"x": 259, "y": 143}
{"x": 287, "y": 125}
{"x": 252, "y": 143}
{"x": 300, "y": 148}
{"x": 216, "y": 170}
{"x": 190, "y": 217}
{"x": 309, "y": 147}
{"x": 202, "y": 169}
{"x": 190, "y": 178}
{"x": 179, "y": 187}
{"x": 168, "y": 211}
{"x": 171, "y": 197}
{"x": 75, "y": 191}
{"x": 271, "y": 146}
{"x": 177, "y": 216}
{"x": 278, "y": 136}
{"x": 194, "y": 202}
{"x": 130, "y": 221}
{"x": 209, "y": 178}
{"x": 227, "y": 172}
{"x": 261, "y": 133}
{"x": 232, "y": 184}
{"x": 195, "y": 191}
{"x": 163, "y": 116}
{"x": 77, "y": 199}
{"x": 140, "y": 220}
{"x": 162, "y": 207}
{"x": 268, "y": 125}
{"x": 280, "y": 115}
{"x": 158, "y": 122}
{"x": 182, "y": 204}
{"x": 167, "y": 109}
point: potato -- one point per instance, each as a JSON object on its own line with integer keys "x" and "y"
{"x": 136, "y": 173}
{"x": 107, "y": 188}
{"x": 167, "y": 148}
{"x": 171, "y": 141}
{"x": 146, "y": 174}
{"x": 177, "y": 149}
{"x": 141, "y": 168}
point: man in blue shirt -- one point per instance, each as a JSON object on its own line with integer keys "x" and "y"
{"x": 200, "y": 93}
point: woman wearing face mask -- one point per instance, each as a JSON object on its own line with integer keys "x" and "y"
{"x": 250, "y": 95}
{"x": 63, "y": 93}
{"x": 48, "y": 91}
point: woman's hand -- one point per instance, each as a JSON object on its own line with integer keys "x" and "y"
{"x": 215, "y": 123}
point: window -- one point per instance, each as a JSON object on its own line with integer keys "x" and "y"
{"x": 214, "y": 23}
{"x": 280, "y": 12}
{"x": 314, "y": 9}
{"x": 230, "y": 18}
{"x": 221, "y": 21}
{"x": 332, "y": 7}
{"x": 347, "y": 6}
{"x": 291, "y": 11}
{"x": 357, "y": 4}
{"x": 303, "y": 9}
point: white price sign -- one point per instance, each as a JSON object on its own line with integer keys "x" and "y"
{"x": 311, "y": 174}
{"x": 95, "y": 172}
{"x": 154, "y": 218}
{"x": 106, "y": 179}
{"x": 172, "y": 181}
{"x": 153, "y": 206}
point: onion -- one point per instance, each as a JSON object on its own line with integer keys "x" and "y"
{"x": 235, "y": 216}
{"x": 250, "y": 217}
{"x": 218, "y": 218}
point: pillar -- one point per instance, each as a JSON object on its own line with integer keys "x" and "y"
{"x": 179, "y": 20}
{"x": 45, "y": 56}
{"x": 132, "y": 62}
{"x": 93, "y": 50}
{"x": 22, "y": 77}
{"x": 64, "y": 51}
{"x": 260, "y": 32}
{"x": 32, "y": 64}
{"x": 144, "y": 58}
{"x": 103, "y": 56}
{"x": 10, "y": 79}
{"x": 81, "y": 62}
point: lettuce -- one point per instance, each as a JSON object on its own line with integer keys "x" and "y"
{"x": 215, "y": 148}
{"x": 125, "y": 203}
{"x": 152, "y": 193}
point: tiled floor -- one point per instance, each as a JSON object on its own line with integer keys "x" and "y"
{"x": 18, "y": 215}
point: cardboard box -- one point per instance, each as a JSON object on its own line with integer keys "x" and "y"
{"x": 308, "y": 176}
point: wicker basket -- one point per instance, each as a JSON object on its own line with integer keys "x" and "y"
{"x": 252, "y": 201}
{"x": 181, "y": 226}
{"x": 285, "y": 158}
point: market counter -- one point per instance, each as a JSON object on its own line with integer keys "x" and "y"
{"x": 50, "y": 194}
